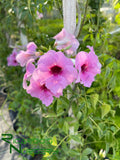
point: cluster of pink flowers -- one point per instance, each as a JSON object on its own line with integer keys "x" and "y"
{"x": 53, "y": 73}
{"x": 47, "y": 75}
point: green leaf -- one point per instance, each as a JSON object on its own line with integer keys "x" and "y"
{"x": 107, "y": 72}
{"x": 84, "y": 158}
{"x": 81, "y": 106}
{"x": 112, "y": 82}
{"x": 74, "y": 153}
{"x": 94, "y": 100}
{"x": 66, "y": 127}
{"x": 65, "y": 101}
{"x": 65, "y": 147}
{"x": 109, "y": 137}
{"x": 117, "y": 18}
{"x": 105, "y": 109}
{"x": 87, "y": 151}
{"x": 86, "y": 37}
{"x": 91, "y": 37}
{"x": 113, "y": 113}
{"x": 50, "y": 115}
{"x": 117, "y": 6}
{"x": 77, "y": 138}
{"x": 53, "y": 141}
{"x": 109, "y": 60}
{"x": 79, "y": 115}
{"x": 69, "y": 119}
{"x": 46, "y": 154}
{"x": 55, "y": 106}
{"x": 98, "y": 38}
{"x": 90, "y": 90}
{"x": 74, "y": 108}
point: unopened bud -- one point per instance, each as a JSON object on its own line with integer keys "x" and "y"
{"x": 102, "y": 153}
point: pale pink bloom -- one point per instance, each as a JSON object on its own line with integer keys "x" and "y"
{"x": 11, "y": 59}
{"x": 58, "y": 69}
{"x": 24, "y": 56}
{"x": 30, "y": 67}
{"x": 88, "y": 66}
{"x": 38, "y": 88}
{"x": 65, "y": 39}
{"x": 39, "y": 15}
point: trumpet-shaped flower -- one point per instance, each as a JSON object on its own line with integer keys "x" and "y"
{"x": 58, "y": 69}
{"x": 30, "y": 67}
{"x": 38, "y": 88}
{"x": 24, "y": 56}
{"x": 88, "y": 66}
{"x": 65, "y": 39}
{"x": 11, "y": 59}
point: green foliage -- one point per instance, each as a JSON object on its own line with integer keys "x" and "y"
{"x": 96, "y": 110}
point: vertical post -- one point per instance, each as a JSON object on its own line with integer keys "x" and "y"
{"x": 69, "y": 15}
{"x": 69, "y": 18}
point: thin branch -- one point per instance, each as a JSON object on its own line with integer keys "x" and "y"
{"x": 98, "y": 22}
{"x": 59, "y": 8}
{"x": 83, "y": 21}
{"x": 79, "y": 20}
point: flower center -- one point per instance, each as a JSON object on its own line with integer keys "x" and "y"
{"x": 55, "y": 70}
{"x": 83, "y": 67}
{"x": 43, "y": 87}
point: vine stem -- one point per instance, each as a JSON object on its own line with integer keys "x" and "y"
{"x": 50, "y": 128}
{"x": 62, "y": 142}
{"x": 58, "y": 145}
{"x": 94, "y": 123}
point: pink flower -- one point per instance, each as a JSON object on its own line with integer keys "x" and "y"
{"x": 88, "y": 66}
{"x": 38, "y": 88}
{"x": 58, "y": 69}
{"x": 39, "y": 15}
{"x": 29, "y": 70}
{"x": 24, "y": 56}
{"x": 11, "y": 59}
{"x": 65, "y": 39}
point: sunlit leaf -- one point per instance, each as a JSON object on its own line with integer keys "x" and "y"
{"x": 87, "y": 151}
{"x": 53, "y": 141}
{"x": 105, "y": 109}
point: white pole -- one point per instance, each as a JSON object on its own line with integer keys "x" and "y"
{"x": 69, "y": 15}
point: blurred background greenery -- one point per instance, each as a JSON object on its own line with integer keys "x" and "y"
{"x": 100, "y": 28}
